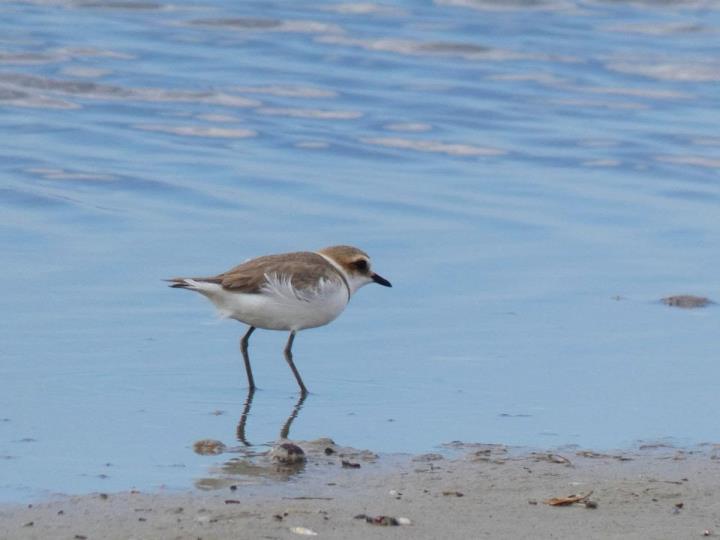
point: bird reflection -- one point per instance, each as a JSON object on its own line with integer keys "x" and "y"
{"x": 244, "y": 416}
{"x": 249, "y": 461}
{"x": 284, "y": 431}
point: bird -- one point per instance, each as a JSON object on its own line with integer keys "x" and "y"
{"x": 286, "y": 291}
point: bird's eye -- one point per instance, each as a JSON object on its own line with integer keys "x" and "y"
{"x": 361, "y": 264}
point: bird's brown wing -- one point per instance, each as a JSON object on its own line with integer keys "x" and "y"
{"x": 304, "y": 268}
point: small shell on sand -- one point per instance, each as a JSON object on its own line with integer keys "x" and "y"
{"x": 303, "y": 531}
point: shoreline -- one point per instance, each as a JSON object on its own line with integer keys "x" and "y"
{"x": 482, "y": 491}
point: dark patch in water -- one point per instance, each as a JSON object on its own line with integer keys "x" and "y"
{"x": 453, "y": 48}
{"x": 122, "y": 5}
{"x": 244, "y": 22}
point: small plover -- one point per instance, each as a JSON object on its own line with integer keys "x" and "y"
{"x": 288, "y": 291}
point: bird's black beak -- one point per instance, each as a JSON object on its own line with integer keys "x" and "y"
{"x": 381, "y": 280}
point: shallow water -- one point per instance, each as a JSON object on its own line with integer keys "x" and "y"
{"x": 532, "y": 176}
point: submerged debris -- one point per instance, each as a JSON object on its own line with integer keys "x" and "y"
{"x": 687, "y": 301}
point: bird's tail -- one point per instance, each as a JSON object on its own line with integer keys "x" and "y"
{"x": 182, "y": 283}
{"x": 193, "y": 284}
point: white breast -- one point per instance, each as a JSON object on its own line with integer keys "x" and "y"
{"x": 279, "y": 306}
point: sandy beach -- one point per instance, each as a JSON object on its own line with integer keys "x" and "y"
{"x": 468, "y": 491}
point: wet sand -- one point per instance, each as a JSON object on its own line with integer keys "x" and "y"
{"x": 472, "y": 491}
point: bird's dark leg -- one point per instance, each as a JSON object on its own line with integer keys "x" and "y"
{"x": 246, "y": 357}
{"x": 289, "y": 358}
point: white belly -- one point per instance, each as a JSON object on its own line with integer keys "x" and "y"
{"x": 278, "y": 308}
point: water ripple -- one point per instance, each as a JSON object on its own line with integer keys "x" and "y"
{"x": 62, "y": 174}
{"x": 269, "y": 25}
{"x": 93, "y": 90}
{"x": 660, "y": 29}
{"x": 58, "y": 54}
{"x": 467, "y": 51}
{"x": 409, "y": 127}
{"x": 511, "y": 5}
{"x": 451, "y": 149}
{"x": 364, "y": 8}
{"x": 696, "y": 161}
{"x": 690, "y": 70}
{"x": 294, "y": 91}
{"x": 319, "y": 114}
{"x": 199, "y": 131}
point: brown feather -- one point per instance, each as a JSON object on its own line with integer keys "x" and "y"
{"x": 303, "y": 267}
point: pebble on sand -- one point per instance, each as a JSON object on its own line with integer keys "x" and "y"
{"x": 288, "y": 454}
{"x": 209, "y": 447}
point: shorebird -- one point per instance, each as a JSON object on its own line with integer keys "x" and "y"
{"x": 287, "y": 291}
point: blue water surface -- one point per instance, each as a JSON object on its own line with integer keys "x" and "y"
{"x": 532, "y": 176}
